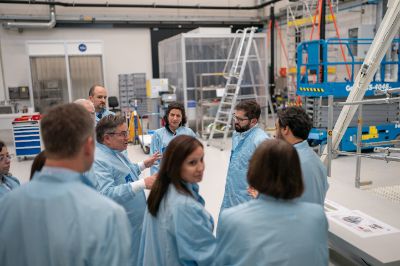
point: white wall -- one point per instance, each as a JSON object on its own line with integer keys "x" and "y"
{"x": 125, "y": 51}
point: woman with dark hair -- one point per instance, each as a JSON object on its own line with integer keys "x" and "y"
{"x": 177, "y": 230}
{"x": 7, "y": 181}
{"x": 175, "y": 120}
{"x": 275, "y": 228}
{"x": 37, "y": 164}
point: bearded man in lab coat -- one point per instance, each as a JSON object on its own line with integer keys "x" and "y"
{"x": 247, "y": 136}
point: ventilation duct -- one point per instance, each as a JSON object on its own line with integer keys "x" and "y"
{"x": 34, "y": 25}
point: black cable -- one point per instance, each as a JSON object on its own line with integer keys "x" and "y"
{"x": 73, "y": 4}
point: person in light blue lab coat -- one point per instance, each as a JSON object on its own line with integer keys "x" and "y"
{"x": 98, "y": 96}
{"x": 275, "y": 228}
{"x": 293, "y": 125}
{"x": 7, "y": 181}
{"x": 57, "y": 218}
{"x": 177, "y": 230}
{"x": 175, "y": 120}
{"x": 117, "y": 177}
{"x": 247, "y": 136}
{"x": 89, "y": 106}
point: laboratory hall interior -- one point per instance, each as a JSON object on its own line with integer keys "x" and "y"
{"x": 210, "y": 133}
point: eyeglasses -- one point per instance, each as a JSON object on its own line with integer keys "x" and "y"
{"x": 4, "y": 158}
{"x": 120, "y": 134}
{"x": 239, "y": 118}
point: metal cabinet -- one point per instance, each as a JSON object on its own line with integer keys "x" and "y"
{"x": 26, "y": 138}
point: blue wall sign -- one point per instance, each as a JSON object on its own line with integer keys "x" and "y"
{"x": 82, "y": 47}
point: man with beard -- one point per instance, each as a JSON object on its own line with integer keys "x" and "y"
{"x": 294, "y": 125}
{"x": 245, "y": 139}
{"x": 98, "y": 96}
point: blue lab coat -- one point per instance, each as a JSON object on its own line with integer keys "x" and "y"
{"x": 267, "y": 231}
{"x": 243, "y": 146}
{"x": 161, "y": 139}
{"x": 103, "y": 112}
{"x": 56, "y": 219}
{"x": 314, "y": 174}
{"x": 180, "y": 234}
{"x": 7, "y": 184}
{"x": 113, "y": 173}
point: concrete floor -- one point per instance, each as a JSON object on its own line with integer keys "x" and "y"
{"x": 212, "y": 186}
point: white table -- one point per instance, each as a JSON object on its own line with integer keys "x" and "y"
{"x": 378, "y": 250}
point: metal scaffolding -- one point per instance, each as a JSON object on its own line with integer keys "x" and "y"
{"x": 387, "y": 151}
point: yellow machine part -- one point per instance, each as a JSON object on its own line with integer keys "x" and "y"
{"x": 132, "y": 130}
{"x": 373, "y": 133}
{"x": 308, "y": 21}
{"x": 293, "y": 70}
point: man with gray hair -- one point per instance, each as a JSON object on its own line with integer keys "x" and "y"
{"x": 117, "y": 177}
{"x": 57, "y": 218}
{"x": 87, "y": 104}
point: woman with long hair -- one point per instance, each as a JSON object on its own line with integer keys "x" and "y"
{"x": 38, "y": 163}
{"x": 276, "y": 228}
{"x": 177, "y": 230}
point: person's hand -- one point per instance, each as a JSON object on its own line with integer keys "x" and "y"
{"x": 149, "y": 181}
{"x": 252, "y": 192}
{"x": 152, "y": 159}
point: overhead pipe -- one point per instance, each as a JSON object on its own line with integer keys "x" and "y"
{"x": 106, "y": 4}
{"x": 35, "y": 25}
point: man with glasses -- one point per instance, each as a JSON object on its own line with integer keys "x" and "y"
{"x": 117, "y": 177}
{"x": 7, "y": 181}
{"x": 245, "y": 139}
{"x": 98, "y": 96}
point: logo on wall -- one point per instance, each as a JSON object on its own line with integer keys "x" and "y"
{"x": 82, "y": 47}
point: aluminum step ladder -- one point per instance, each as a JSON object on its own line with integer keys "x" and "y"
{"x": 223, "y": 119}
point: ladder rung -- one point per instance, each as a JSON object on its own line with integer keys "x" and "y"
{"x": 249, "y": 56}
{"x": 250, "y": 96}
{"x": 224, "y": 112}
{"x": 234, "y": 75}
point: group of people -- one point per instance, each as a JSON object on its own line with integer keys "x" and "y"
{"x": 85, "y": 204}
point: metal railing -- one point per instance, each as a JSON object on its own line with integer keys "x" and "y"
{"x": 387, "y": 151}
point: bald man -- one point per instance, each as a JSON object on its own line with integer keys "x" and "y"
{"x": 98, "y": 96}
{"x": 87, "y": 104}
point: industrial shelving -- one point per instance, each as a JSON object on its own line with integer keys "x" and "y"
{"x": 208, "y": 96}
